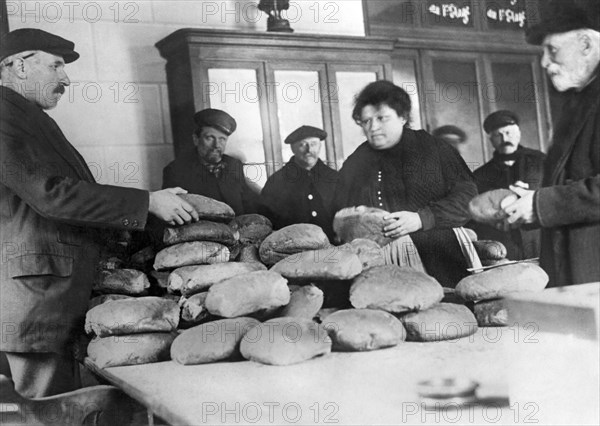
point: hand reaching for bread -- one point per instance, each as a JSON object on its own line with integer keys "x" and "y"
{"x": 520, "y": 211}
{"x": 401, "y": 223}
{"x": 167, "y": 206}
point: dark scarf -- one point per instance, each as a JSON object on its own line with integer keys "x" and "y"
{"x": 214, "y": 169}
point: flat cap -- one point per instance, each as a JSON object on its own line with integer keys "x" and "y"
{"x": 217, "y": 119}
{"x": 304, "y": 132}
{"x": 563, "y": 16}
{"x": 449, "y": 129}
{"x": 25, "y": 39}
{"x": 499, "y": 119}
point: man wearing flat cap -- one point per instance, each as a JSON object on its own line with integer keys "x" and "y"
{"x": 54, "y": 218}
{"x": 303, "y": 190}
{"x": 511, "y": 164}
{"x": 209, "y": 171}
{"x": 567, "y": 205}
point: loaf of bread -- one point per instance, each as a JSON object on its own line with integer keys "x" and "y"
{"x": 114, "y": 351}
{"x": 194, "y": 279}
{"x": 502, "y": 281}
{"x": 285, "y": 341}
{"x": 491, "y": 313}
{"x": 360, "y": 222}
{"x": 368, "y": 251}
{"x": 471, "y": 234}
{"x": 248, "y": 293}
{"x": 305, "y": 302}
{"x": 253, "y": 228}
{"x": 212, "y": 341}
{"x": 489, "y": 249}
{"x": 363, "y": 330}
{"x": 98, "y": 300}
{"x": 488, "y": 207}
{"x": 325, "y": 264}
{"x": 202, "y": 230}
{"x": 121, "y": 281}
{"x": 208, "y": 208}
{"x": 193, "y": 253}
{"x": 290, "y": 240}
{"x": 193, "y": 309}
{"x": 446, "y": 321}
{"x": 133, "y": 315}
{"x": 395, "y": 289}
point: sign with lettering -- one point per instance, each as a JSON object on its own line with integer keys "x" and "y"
{"x": 506, "y": 14}
{"x": 451, "y": 13}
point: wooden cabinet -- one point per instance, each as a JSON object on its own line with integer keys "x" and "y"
{"x": 271, "y": 84}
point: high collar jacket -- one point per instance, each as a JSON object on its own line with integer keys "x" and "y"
{"x": 568, "y": 204}
{"x": 296, "y": 195}
{"x": 230, "y": 187}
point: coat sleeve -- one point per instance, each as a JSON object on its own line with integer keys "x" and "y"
{"x": 55, "y": 192}
{"x": 452, "y": 210}
{"x": 576, "y": 202}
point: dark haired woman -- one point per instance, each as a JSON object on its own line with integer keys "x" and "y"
{"x": 421, "y": 180}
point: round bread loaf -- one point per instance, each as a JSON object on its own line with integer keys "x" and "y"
{"x": 209, "y": 208}
{"x": 132, "y": 315}
{"x": 446, "y": 321}
{"x": 290, "y": 240}
{"x": 487, "y": 207}
{"x": 325, "y": 264}
{"x": 395, "y": 289}
{"x": 121, "y": 281}
{"x": 471, "y": 234}
{"x": 114, "y": 351}
{"x": 363, "y": 330}
{"x": 368, "y": 251}
{"x": 501, "y": 281}
{"x": 202, "y": 230}
{"x": 490, "y": 250}
{"x": 197, "y": 278}
{"x": 285, "y": 341}
{"x": 491, "y": 313}
{"x": 360, "y": 222}
{"x": 212, "y": 341}
{"x": 248, "y": 293}
{"x": 305, "y": 302}
{"x": 193, "y": 253}
{"x": 253, "y": 228}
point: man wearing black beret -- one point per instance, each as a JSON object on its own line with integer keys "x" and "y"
{"x": 303, "y": 190}
{"x": 567, "y": 206}
{"x": 54, "y": 217}
{"x": 211, "y": 172}
{"x": 511, "y": 164}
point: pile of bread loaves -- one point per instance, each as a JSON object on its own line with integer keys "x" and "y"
{"x": 230, "y": 287}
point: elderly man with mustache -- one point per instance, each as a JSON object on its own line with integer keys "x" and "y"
{"x": 211, "y": 172}
{"x": 567, "y": 205}
{"x": 303, "y": 190}
{"x": 53, "y": 218}
{"x": 511, "y": 164}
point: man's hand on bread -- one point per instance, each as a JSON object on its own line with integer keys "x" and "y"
{"x": 174, "y": 210}
{"x": 521, "y": 211}
{"x": 401, "y": 223}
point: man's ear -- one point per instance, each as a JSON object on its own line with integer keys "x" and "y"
{"x": 20, "y": 68}
{"x": 585, "y": 43}
{"x": 195, "y": 138}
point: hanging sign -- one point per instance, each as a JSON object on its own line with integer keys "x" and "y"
{"x": 506, "y": 14}
{"x": 458, "y": 13}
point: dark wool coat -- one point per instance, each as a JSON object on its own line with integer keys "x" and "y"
{"x": 420, "y": 174}
{"x": 296, "y": 195}
{"x": 520, "y": 243}
{"x": 230, "y": 187}
{"x": 48, "y": 202}
{"x": 568, "y": 204}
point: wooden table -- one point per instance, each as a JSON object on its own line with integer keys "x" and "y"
{"x": 375, "y": 387}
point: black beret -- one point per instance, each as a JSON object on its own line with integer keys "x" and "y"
{"x": 449, "y": 129}
{"x": 33, "y": 39}
{"x": 563, "y": 16}
{"x": 499, "y": 119}
{"x": 304, "y": 132}
{"x": 217, "y": 119}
